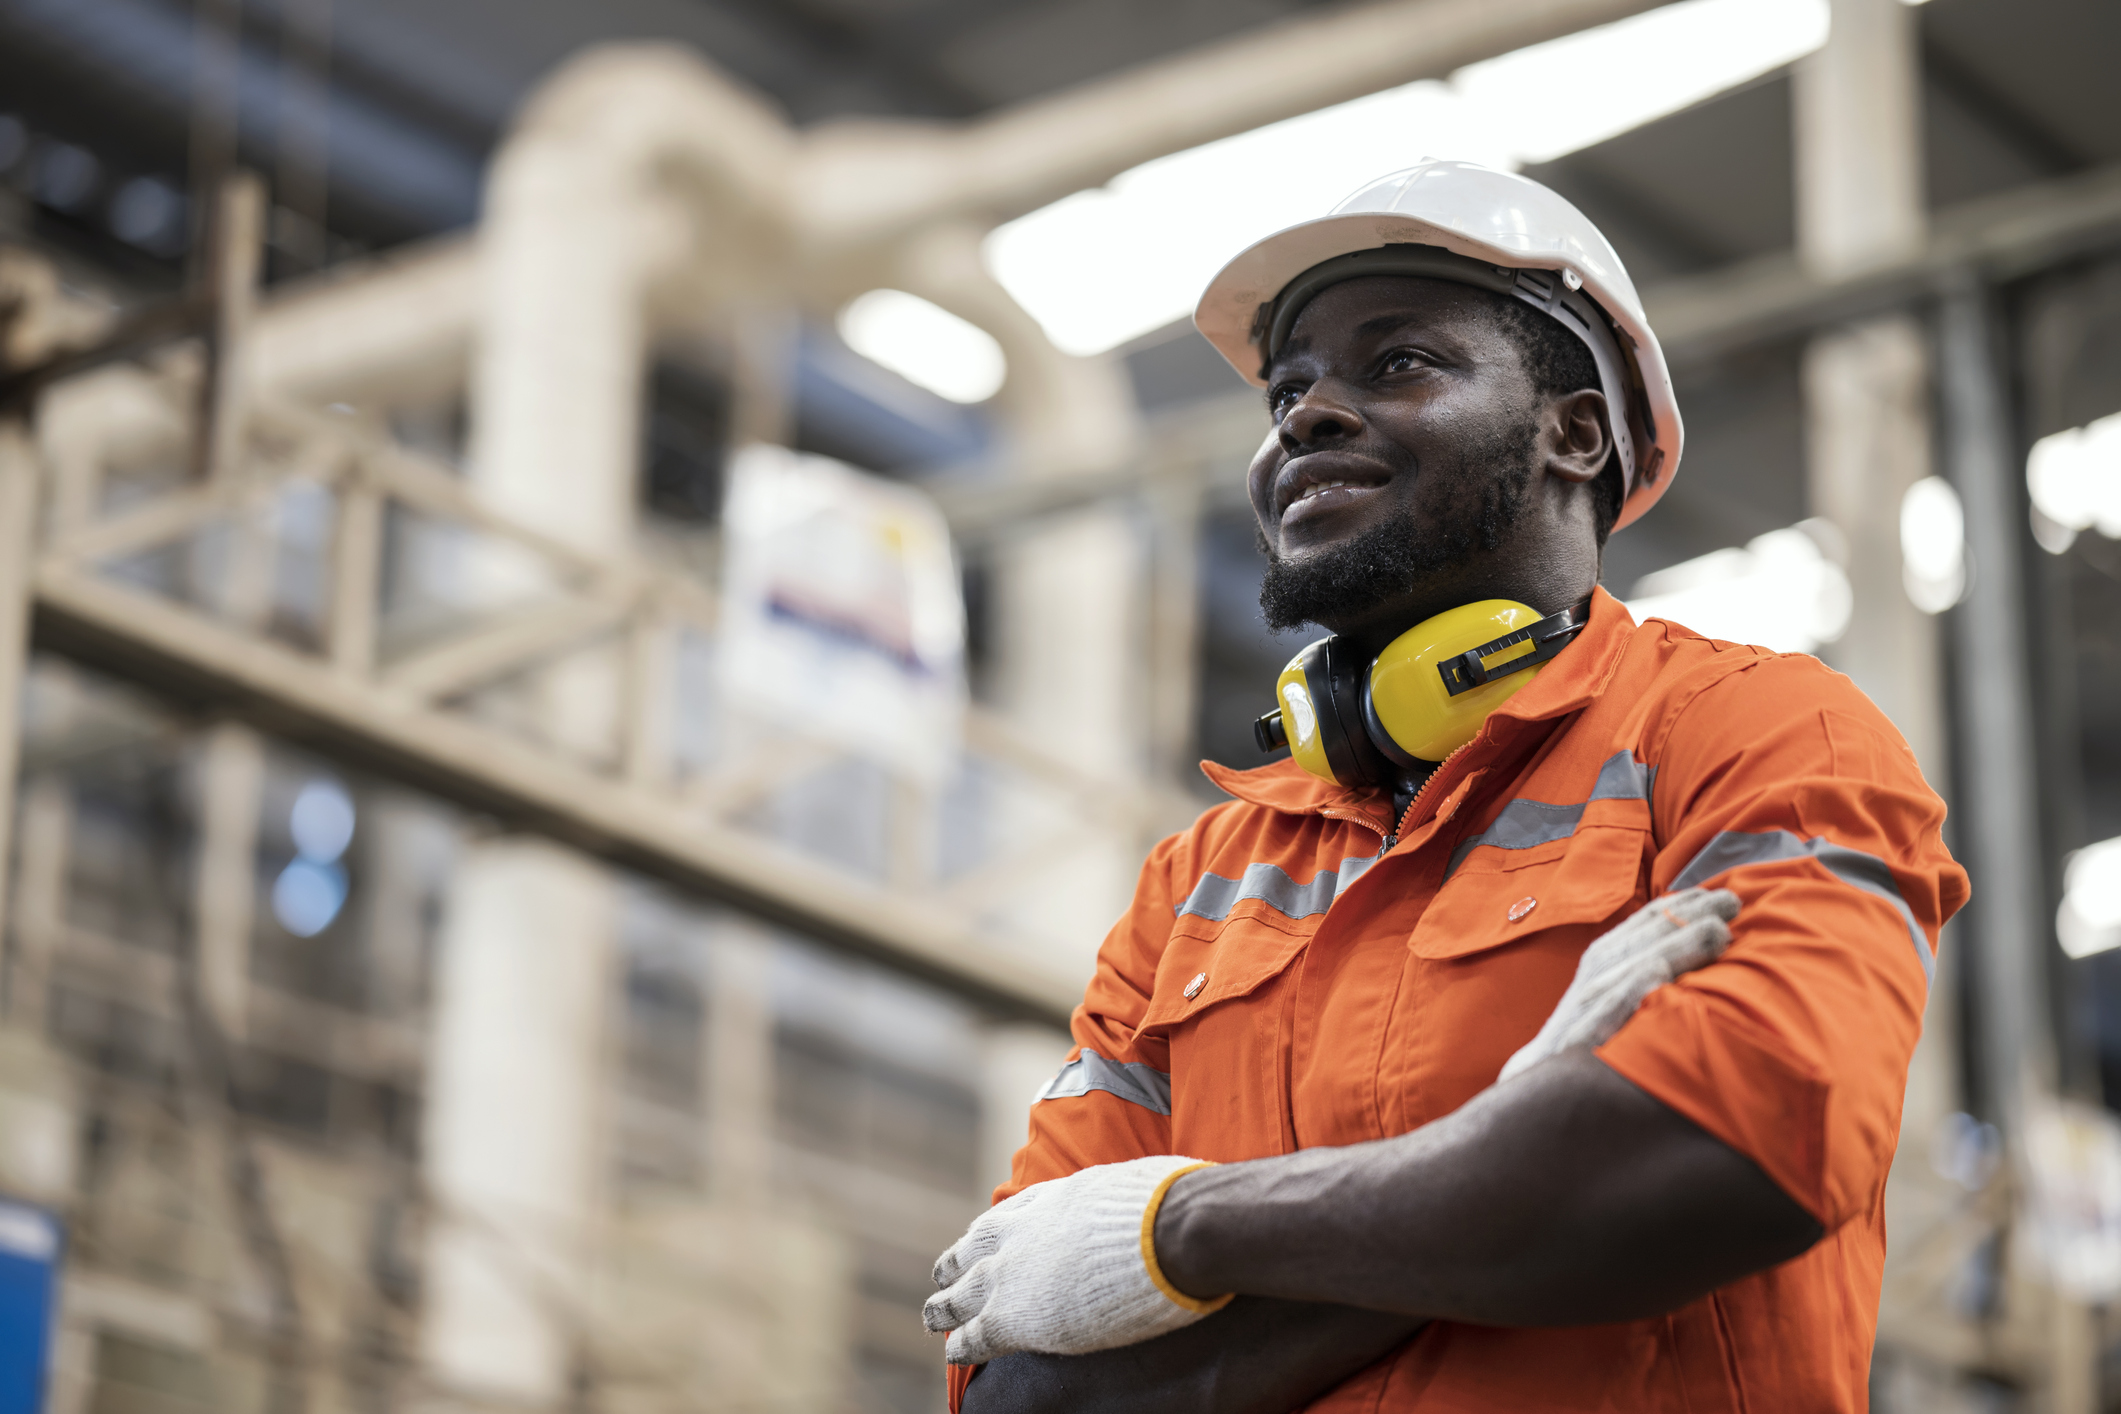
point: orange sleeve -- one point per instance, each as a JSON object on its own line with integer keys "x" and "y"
{"x": 1111, "y": 1100}
{"x": 1786, "y": 785}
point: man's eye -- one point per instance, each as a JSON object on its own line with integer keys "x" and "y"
{"x": 1282, "y": 398}
{"x": 1403, "y": 361}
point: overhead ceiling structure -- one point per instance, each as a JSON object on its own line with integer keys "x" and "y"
{"x": 2016, "y": 94}
{"x": 414, "y": 96}
{"x": 418, "y": 94}
{"x": 2013, "y": 93}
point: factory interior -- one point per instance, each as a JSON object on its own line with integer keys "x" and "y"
{"x": 599, "y": 604}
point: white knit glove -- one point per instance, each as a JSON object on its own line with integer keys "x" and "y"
{"x": 1665, "y": 937}
{"x": 1064, "y": 1267}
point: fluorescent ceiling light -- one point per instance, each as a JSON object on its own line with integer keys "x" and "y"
{"x": 1781, "y": 591}
{"x": 924, "y": 344}
{"x": 2090, "y": 918}
{"x": 1102, "y": 266}
{"x": 1932, "y": 545}
{"x": 2075, "y": 481}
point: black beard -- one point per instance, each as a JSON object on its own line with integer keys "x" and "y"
{"x": 1355, "y": 578}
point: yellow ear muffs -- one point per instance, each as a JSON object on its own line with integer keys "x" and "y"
{"x": 1422, "y": 698}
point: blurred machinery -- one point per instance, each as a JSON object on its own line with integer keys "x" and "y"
{"x": 433, "y": 982}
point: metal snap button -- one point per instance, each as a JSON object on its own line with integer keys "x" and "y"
{"x": 1193, "y": 987}
{"x": 1523, "y": 906}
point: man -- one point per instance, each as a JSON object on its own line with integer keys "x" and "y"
{"x": 1279, "y": 1168}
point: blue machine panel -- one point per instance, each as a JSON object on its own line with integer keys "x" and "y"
{"x": 30, "y": 1240}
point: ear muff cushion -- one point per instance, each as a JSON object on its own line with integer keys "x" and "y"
{"x": 1360, "y": 763}
{"x": 1300, "y": 714}
{"x": 1332, "y": 728}
{"x": 1320, "y": 694}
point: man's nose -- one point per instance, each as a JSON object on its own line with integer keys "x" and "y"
{"x": 1318, "y": 416}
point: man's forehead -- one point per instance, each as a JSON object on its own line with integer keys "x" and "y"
{"x": 1376, "y": 305}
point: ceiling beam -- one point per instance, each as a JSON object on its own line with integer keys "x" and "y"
{"x": 832, "y": 41}
{"x": 1999, "y": 238}
{"x": 1999, "y": 111}
{"x": 209, "y": 669}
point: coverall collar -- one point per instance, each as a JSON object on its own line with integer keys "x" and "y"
{"x": 1578, "y": 674}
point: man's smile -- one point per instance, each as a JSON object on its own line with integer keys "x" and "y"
{"x": 1319, "y": 483}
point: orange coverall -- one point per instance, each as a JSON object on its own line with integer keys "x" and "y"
{"x": 1296, "y": 971}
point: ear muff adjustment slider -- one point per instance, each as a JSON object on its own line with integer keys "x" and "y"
{"x": 1549, "y": 636}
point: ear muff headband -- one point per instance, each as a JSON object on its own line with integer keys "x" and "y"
{"x": 1422, "y": 698}
{"x": 1544, "y": 290}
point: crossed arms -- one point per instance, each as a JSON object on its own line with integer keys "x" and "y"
{"x": 1565, "y": 1196}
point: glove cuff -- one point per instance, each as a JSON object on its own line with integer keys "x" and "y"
{"x": 1156, "y": 1273}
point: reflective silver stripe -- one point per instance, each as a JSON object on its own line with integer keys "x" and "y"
{"x": 1525, "y": 823}
{"x": 1622, "y": 777}
{"x": 1214, "y": 896}
{"x": 1522, "y": 824}
{"x": 1734, "y": 849}
{"x": 1132, "y": 1081}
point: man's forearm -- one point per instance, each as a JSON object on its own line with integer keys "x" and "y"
{"x": 1256, "y": 1356}
{"x": 1565, "y": 1197}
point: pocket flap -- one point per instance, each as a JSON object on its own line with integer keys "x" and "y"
{"x": 1232, "y": 959}
{"x": 1596, "y": 877}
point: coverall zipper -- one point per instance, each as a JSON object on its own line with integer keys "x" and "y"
{"x": 1391, "y": 840}
{"x": 1426, "y": 786}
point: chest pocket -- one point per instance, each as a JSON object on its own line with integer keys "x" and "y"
{"x": 1491, "y": 955}
{"x": 1586, "y": 882}
{"x": 1227, "y": 1101}
{"x": 1235, "y": 932}
{"x": 1222, "y": 960}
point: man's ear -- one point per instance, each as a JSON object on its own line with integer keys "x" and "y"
{"x": 1576, "y": 424}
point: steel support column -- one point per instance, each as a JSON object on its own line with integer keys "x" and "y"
{"x": 1999, "y": 820}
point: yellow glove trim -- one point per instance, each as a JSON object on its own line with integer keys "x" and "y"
{"x": 1156, "y": 1273}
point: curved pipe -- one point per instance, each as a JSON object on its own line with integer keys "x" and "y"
{"x": 592, "y": 201}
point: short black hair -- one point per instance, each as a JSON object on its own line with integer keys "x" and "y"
{"x": 1559, "y": 363}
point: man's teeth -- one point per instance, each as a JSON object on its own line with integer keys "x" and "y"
{"x": 1317, "y": 486}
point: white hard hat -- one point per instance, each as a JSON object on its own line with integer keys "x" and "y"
{"x": 1471, "y": 224}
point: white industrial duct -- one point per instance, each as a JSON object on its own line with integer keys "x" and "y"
{"x": 628, "y": 160}
{"x": 392, "y": 329}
